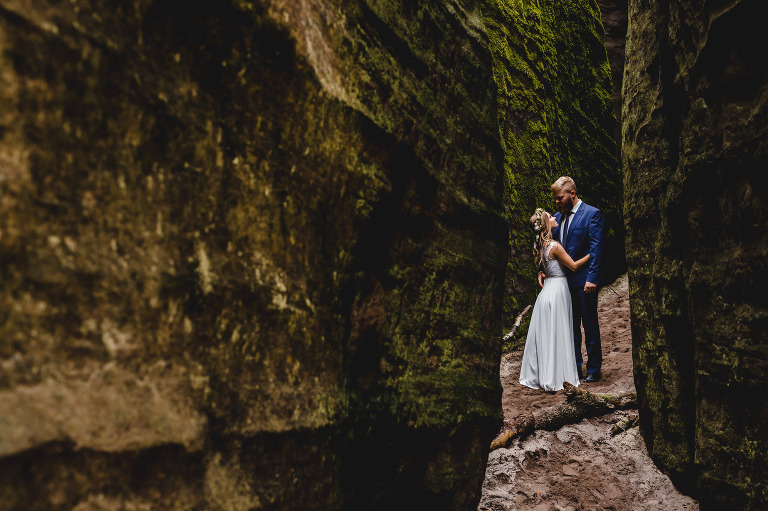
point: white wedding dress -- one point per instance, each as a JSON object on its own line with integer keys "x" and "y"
{"x": 549, "y": 358}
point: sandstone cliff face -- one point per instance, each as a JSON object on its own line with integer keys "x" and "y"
{"x": 556, "y": 118}
{"x": 613, "y": 14}
{"x": 251, "y": 254}
{"x": 695, "y": 132}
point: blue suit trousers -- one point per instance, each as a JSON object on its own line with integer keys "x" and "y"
{"x": 584, "y": 307}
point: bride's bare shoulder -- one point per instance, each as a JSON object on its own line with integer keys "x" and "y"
{"x": 554, "y": 245}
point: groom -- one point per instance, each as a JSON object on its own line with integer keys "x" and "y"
{"x": 580, "y": 231}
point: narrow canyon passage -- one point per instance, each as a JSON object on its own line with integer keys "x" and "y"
{"x": 258, "y": 255}
{"x": 581, "y": 466}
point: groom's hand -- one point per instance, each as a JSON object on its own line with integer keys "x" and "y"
{"x": 590, "y": 287}
{"x": 541, "y": 279}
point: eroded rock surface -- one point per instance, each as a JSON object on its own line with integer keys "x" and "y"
{"x": 253, "y": 253}
{"x": 244, "y": 247}
{"x": 694, "y": 149}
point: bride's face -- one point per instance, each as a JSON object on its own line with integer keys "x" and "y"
{"x": 552, "y": 222}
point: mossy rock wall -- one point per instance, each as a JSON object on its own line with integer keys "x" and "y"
{"x": 251, "y": 254}
{"x": 613, "y": 14}
{"x": 695, "y": 150}
{"x": 556, "y": 118}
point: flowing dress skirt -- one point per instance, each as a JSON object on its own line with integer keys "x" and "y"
{"x": 549, "y": 358}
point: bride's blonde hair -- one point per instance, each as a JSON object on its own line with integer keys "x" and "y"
{"x": 543, "y": 233}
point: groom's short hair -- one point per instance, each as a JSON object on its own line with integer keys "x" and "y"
{"x": 564, "y": 183}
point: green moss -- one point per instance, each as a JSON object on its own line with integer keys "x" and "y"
{"x": 322, "y": 246}
{"x": 555, "y": 116}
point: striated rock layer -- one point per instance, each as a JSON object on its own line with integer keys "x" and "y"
{"x": 556, "y": 118}
{"x": 251, "y": 254}
{"x": 695, "y": 146}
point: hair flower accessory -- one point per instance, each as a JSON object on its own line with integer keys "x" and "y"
{"x": 537, "y": 222}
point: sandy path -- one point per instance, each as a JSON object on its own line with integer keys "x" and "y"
{"x": 580, "y": 467}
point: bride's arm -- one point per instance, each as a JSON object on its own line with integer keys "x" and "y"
{"x": 561, "y": 255}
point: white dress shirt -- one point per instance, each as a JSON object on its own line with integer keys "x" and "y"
{"x": 567, "y": 223}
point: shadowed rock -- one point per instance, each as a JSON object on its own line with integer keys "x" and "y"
{"x": 695, "y": 132}
{"x": 613, "y": 14}
{"x": 252, "y": 255}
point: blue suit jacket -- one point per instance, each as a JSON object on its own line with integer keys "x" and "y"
{"x": 585, "y": 236}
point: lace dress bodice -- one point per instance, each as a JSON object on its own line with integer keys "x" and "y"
{"x": 552, "y": 267}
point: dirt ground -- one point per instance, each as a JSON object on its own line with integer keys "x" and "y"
{"x": 579, "y": 467}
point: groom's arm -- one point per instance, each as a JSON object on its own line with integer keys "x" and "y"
{"x": 595, "y": 250}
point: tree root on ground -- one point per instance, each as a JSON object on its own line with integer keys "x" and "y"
{"x": 579, "y": 404}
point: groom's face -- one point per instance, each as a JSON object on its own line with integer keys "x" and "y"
{"x": 564, "y": 199}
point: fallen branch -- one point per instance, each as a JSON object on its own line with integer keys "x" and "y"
{"x": 511, "y": 334}
{"x": 579, "y": 404}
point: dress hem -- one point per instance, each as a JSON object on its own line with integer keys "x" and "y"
{"x": 539, "y": 387}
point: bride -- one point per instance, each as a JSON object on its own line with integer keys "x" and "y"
{"x": 549, "y": 358}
